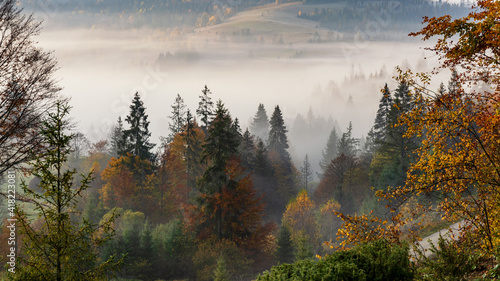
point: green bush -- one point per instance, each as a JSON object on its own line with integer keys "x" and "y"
{"x": 450, "y": 260}
{"x": 375, "y": 261}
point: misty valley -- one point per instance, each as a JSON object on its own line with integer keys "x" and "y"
{"x": 249, "y": 140}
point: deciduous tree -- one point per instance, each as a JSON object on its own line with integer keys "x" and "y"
{"x": 27, "y": 86}
{"x": 59, "y": 248}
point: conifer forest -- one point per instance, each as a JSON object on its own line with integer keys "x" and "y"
{"x": 249, "y": 140}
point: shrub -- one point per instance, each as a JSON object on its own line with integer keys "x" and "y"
{"x": 379, "y": 260}
{"x": 450, "y": 260}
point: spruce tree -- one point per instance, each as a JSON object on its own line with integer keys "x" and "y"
{"x": 177, "y": 117}
{"x": 347, "y": 144}
{"x": 193, "y": 150}
{"x": 330, "y": 152}
{"x": 442, "y": 89}
{"x": 383, "y": 115}
{"x": 247, "y": 150}
{"x": 453, "y": 84}
{"x": 260, "y": 124}
{"x": 205, "y": 109}
{"x": 396, "y": 145}
{"x": 58, "y": 247}
{"x": 306, "y": 171}
{"x": 278, "y": 140}
{"x": 136, "y": 138}
{"x": 285, "y": 251}
{"x": 116, "y": 139}
{"x": 261, "y": 162}
{"x": 221, "y": 273}
{"x": 221, "y": 144}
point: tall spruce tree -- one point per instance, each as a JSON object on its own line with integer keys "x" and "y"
{"x": 57, "y": 247}
{"x": 221, "y": 144}
{"x": 205, "y": 109}
{"x": 177, "y": 117}
{"x": 285, "y": 252}
{"x": 116, "y": 139}
{"x": 383, "y": 115}
{"x": 453, "y": 84}
{"x": 247, "y": 150}
{"x": 330, "y": 152}
{"x": 396, "y": 145}
{"x": 260, "y": 124}
{"x": 348, "y": 145}
{"x": 307, "y": 173}
{"x": 136, "y": 138}
{"x": 278, "y": 140}
{"x": 193, "y": 150}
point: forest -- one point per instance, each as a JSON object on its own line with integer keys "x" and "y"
{"x": 216, "y": 201}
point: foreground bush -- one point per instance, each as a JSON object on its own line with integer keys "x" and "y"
{"x": 375, "y": 261}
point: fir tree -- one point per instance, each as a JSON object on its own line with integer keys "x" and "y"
{"x": 278, "y": 140}
{"x": 59, "y": 248}
{"x": 247, "y": 150}
{"x": 285, "y": 250}
{"x": 178, "y": 117}
{"x": 454, "y": 84}
{"x": 136, "y": 138}
{"x": 193, "y": 150}
{"x": 205, "y": 109}
{"x": 116, "y": 139}
{"x": 383, "y": 115}
{"x": 330, "y": 152}
{"x": 221, "y": 273}
{"x": 261, "y": 162}
{"x": 260, "y": 123}
{"x": 347, "y": 144}
{"x": 306, "y": 171}
{"x": 221, "y": 144}
{"x": 442, "y": 89}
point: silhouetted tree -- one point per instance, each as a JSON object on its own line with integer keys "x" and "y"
{"x": 260, "y": 124}
{"x": 116, "y": 139}
{"x": 278, "y": 140}
{"x": 330, "y": 152}
{"x": 177, "y": 117}
{"x": 136, "y": 138}
{"x": 307, "y": 173}
{"x": 205, "y": 109}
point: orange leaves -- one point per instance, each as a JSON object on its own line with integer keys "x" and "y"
{"x": 358, "y": 229}
{"x": 477, "y": 48}
{"x": 299, "y": 217}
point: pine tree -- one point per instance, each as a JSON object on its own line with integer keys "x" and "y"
{"x": 221, "y": 144}
{"x": 306, "y": 172}
{"x": 383, "y": 115}
{"x": 193, "y": 144}
{"x": 221, "y": 273}
{"x": 347, "y": 144}
{"x": 136, "y": 139}
{"x": 59, "y": 248}
{"x": 396, "y": 146}
{"x": 330, "y": 152}
{"x": 247, "y": 150}
{"x": 205, "y": 109}
{"x": 260, "y": 124}
{"x": 454, "y": 84}
{"x": 278, "y": 140}
{"x": 261, "y": 163}
{"x": 177, "y": 117}
{"x": 442, "y": 89}
{"x": 222, "y": 141}
{"x": 285, "y": 251}
{"x": 116, "y": 139}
